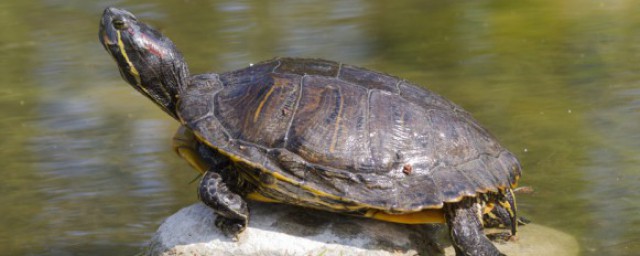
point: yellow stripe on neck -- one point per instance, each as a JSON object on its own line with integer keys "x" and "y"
{"x": 132, "y": 69}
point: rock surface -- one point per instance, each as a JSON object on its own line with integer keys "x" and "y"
{"x": 286, "y": 230}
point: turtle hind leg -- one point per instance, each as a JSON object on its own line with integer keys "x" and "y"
{"x": 232, "y": 210}
{"x": 500, "y": 218}
{"x": 503, "y": 215}
{"x": 502, "y": 211}
{"x": 509, "y": 203}
{"x": 466, "y": 230}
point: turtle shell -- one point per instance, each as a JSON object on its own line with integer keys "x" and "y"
{"x": 338, "y": 137}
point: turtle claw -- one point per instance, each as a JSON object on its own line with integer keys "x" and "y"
{"x": 502, "y": 237}
{"x": 523, "y": 221}
{"x": 230, "y": 227}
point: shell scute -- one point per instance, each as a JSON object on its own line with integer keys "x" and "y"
{"x": 340, "y": 137}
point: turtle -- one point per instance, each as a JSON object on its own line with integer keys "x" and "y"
{"x": 322, "y": 135}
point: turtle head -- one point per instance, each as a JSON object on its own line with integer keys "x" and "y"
{"x": 148, "y": 60}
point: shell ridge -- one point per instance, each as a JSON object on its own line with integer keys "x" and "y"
{"x": 368, "y": 122}
{"x": 295, "y": 111}
{"x": 277, "y": 66}
{"x": 215, "y": 116}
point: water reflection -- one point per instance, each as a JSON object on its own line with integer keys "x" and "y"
{"x": 613, "y": 171}
{"x": 98, "y": 173}
{"x": 289, "y": 28}
{"x": 87, "y": 163}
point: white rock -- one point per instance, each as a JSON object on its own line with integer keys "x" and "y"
{"x": 276, "y": 229}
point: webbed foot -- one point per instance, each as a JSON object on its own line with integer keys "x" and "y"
{"x": 231, "y": 227}
{"x": 232, "y": 210}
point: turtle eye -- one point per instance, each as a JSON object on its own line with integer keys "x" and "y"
{"x": 119, "y": 24}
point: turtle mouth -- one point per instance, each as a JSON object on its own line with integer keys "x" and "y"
{"x": 107, "y": 39}
{"x": 113, "y": 21}
{"x": 114, "y": 34}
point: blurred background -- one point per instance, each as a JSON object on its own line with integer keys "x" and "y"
{"x": 86, "y": 162}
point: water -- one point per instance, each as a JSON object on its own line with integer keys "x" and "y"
{"x": 87, "y": 162}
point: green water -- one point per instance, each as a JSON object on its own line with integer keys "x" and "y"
{"x": 87, "y": 166}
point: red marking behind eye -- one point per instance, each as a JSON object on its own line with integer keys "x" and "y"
{"x": 153, "y": 49}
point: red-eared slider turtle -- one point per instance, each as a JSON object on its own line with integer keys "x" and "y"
{"x": 323, "y": 135}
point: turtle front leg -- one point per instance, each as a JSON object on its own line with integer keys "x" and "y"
{"x": 466, "y": 230}
{"x": 231, "y": 208}
{"x": 219, "y": 185}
